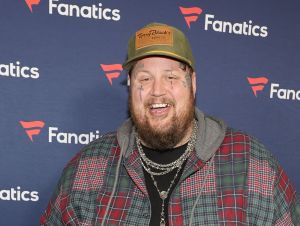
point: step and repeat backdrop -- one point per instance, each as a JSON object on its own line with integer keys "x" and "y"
{"x": 62, "y": 83}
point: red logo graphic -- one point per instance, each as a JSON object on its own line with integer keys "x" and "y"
{"x": 32, "y": 128}
{"x": 257, "y": 84}
{"x": 112, "y": 71}
{"x": 190, "y": 14}
{"x": 30, "y": 3}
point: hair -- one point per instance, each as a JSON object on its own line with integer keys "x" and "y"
{"x": 186, "y": 68}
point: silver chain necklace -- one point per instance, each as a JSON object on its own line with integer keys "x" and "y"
{"x": 166, "y": 168}
{"x": 162, "y": 169}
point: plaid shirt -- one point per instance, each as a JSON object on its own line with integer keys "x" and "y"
{"x": 244, "y": 185}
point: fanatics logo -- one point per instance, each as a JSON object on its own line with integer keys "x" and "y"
{"x": 214, "y": 23}
{"x": 190, "y": 14}
{"x": 112, "y": 71}
{"x": 19, "y": 70}
{"x": 32, "y": 128}
{"x": 84, "y": 11}
{"x": 30, "y": 3}
{"x": 257, "y": 84}
{"x": 17, "y": 194}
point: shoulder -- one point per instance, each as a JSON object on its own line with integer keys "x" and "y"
{"x": 249, "y": 145}
{"x": 92, "y": 159}
{"x": 101, "y": 146}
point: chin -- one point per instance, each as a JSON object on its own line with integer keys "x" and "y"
{"x": 160, "y": 123}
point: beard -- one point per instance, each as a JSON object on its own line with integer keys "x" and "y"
{"x": 162, "y": 138}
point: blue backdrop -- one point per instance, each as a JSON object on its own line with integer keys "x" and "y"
{"x": 61, "y": 81}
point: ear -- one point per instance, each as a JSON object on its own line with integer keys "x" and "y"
{"x": 194, "y": 83}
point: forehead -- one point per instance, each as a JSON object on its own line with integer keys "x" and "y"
{"x": 156, "y": 63}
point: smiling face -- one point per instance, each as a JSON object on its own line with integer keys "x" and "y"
{"x": 161, "y": 101}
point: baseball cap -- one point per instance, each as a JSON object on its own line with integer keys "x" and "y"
{"x": 157, "y": 39}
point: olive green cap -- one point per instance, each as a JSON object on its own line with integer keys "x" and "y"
{"x": 158, "y": 39}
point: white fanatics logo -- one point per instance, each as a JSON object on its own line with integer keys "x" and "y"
{"x": 90, "y": 12}
{"x": 13, "y": 194}
{"x": 18, "y": 70}
{"x": 241, "y": 28}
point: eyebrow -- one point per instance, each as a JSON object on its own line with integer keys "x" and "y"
{"x": 142, "y": 70}
{"x": 147, "y": 71}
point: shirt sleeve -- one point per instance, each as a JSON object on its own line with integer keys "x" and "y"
{"x": 286, "y": 200}
{"x": 59, "y": 210}
{"x": 52, "y": 214}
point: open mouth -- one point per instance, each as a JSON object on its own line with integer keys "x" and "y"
{"x": 159, "y": 106}
{"x": 160, "y": 109}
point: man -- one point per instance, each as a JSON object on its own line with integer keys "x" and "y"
{"x": 170, "y": 164}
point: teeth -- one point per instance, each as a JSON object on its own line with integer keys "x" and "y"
{"x": 153, "y": 106}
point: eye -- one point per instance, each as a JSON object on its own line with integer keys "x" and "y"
{"x": 144, "y": 79}
{"x": 172, "y": 76}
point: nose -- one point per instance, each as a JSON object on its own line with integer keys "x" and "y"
{"x": 158, "y": 88}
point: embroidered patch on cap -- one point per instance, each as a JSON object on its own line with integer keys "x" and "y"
{"x": 156, "y": 35}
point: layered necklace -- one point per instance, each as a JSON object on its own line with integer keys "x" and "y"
{"x": 157, "y": 169}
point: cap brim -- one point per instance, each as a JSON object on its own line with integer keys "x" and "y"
{"x": 130, "y": 62}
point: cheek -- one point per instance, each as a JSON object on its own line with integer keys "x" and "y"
{"x": 182, "y": 98}
{"x": 138, "y": 96}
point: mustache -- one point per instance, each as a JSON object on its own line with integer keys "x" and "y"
{"x": 163, "y": 100}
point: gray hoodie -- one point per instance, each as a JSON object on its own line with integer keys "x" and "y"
{"x": 211, "y": 133}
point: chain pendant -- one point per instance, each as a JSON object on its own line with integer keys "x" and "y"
{"x": 162, "y": 222}
{"x": 163, "y": 195}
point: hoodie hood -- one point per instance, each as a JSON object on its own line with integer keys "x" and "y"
{"x": 211, "y": 133}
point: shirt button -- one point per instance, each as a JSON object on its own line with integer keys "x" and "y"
{"x": 145, "y": 214}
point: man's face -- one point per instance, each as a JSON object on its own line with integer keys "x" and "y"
{"x": 161, "y": 102}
